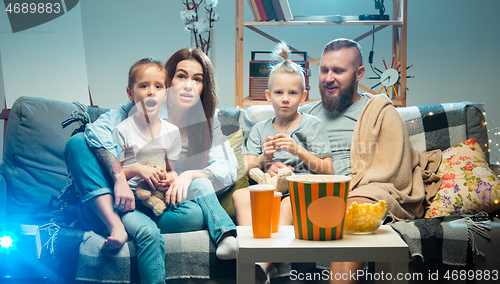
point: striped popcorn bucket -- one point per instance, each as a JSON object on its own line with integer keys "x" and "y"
{"x": 318, "y": 206}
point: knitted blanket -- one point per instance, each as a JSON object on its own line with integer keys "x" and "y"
{"x": 447, "y": 239}
{"x": 189, "y": 255}
{"x": 386, "y": 166}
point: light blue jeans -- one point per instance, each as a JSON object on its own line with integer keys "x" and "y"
{"x": 201, "y": 210}
{"x": 91, "y": 179}
{"x": 201, "y": 191}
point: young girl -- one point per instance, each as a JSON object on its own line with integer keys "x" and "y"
{"x": 145, "y": 137}
{"x": 142, "y": 137}
{"x": 295, "y": 139}
{"x": 206, "y": 164}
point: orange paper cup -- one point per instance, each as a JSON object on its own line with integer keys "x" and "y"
{"x": 276, "y": 211}
{"x": 261, "y": 201}
{"x": 318, "y": 206}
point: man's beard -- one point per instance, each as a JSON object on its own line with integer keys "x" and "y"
{"x": 340, "y": 102}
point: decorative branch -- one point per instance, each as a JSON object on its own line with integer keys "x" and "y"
{"x": 199, "y": 26}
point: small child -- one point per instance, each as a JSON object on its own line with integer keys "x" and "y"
{"x": 294, "y": 139}
{"x": 145, "y": 137}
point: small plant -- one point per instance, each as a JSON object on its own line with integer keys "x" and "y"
{"x": 199, "y": 26}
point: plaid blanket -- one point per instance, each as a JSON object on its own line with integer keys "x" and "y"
{"x": 441, "y": 126}
{"x": 447, "y": 239}
{"x": 189, "y": 255}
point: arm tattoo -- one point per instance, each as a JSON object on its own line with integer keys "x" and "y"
{"x": 108, "y": 160}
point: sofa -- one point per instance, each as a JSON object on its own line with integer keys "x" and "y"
{"x": 33, "y": 176}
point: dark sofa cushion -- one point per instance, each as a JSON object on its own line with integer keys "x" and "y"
{"x": 34, "y": 168}
{"x": 441, "y": 126}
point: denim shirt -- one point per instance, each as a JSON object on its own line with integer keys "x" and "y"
{"x": 222, "y": 161}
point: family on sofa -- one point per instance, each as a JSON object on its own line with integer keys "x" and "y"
{"x": 144, "y": 136}
{"x": 190, "y": 164}
{"x": 200, "y": 162}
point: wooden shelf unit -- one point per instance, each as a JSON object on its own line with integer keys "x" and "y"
{"x": 399, "y": 45}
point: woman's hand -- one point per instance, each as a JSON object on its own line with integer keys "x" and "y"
{"x": 178, "y": 189}
{"x": 269, "y": 148}
{"x": 285, "y": 142}
{"x": 124, "y": 197}
{"x": 164, "y": 184}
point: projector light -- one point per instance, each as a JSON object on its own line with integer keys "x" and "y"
{"x": 20, "y": 251}
{"x": 6, "y": 242}
{"x": 19, "y": 239}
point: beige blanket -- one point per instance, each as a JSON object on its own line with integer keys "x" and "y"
{"x": 385, "y": 165}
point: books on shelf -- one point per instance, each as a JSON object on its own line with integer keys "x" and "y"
{"x": 286, "y": 10}
{"x": 277, "y": 10}
{"x": 269, "y": 10}
{"x": 261, "y": 10}
{"x": 254, "y": 10}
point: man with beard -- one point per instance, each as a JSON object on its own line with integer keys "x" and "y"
{"x": 340, "y": 71}
{"x": 369, "y": 141}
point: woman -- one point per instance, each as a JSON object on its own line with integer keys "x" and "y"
{"x": 207, "y": 164}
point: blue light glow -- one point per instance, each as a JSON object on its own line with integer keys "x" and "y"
{"x": 6, "y": 242}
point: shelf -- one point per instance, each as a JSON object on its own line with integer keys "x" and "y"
{"x": 399, "y": 46}
{"x": 324, "y": 23}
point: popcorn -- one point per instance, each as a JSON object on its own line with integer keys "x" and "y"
{"x": 365, "y": 217}
{"x": 307, "y": 179}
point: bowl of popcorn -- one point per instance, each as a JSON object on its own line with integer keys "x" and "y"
{"x": 365, "y": 216}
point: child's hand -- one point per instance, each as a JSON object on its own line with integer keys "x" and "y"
{"x": 269, "y": 148}
{"x": 276, "y": 167}
{"x": 151, "y": 175}
{"x": 164, "y": 184}
{"x": 284, "y": 141}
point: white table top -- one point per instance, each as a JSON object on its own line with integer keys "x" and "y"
{"x": 385, "y": 245}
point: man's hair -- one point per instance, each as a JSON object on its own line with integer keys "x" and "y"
{"x": 340, "y": 43}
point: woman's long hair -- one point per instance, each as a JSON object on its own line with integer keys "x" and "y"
{"x": 199, "y": 124}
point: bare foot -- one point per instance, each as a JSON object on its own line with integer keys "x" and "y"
{"x": 116, "y": 240}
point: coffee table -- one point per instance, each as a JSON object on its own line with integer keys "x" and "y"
{"x": 385, "y": 245}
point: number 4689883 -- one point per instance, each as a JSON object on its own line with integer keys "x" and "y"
{"x": 33, "y": 8}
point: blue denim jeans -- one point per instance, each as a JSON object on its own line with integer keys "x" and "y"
{"x": 91, "y": 179}
{"x": 201, "y": 191}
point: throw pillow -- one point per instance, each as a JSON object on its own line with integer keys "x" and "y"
{"x": 468, "y": 184}
{"x": 226, "y": 198}
{"x": 236, "y": 141}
